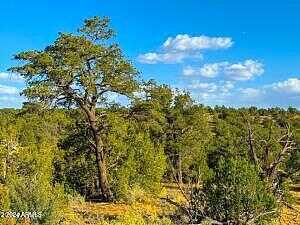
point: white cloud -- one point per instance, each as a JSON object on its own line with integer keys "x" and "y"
{"x": 207, "y": 70}
{"x": 278, "y": 94}
{"x": 219, "y": 96}
{"x": 8, "y": 90}
{"x": 211, "y": 92}
{"x": 183, "y": 46}
{"x": 153, "y": 58}
{"x": 11, "y": 77}
{"x": 190, "y": 71}
{"x": 287, "y": 88}
{"x": 184, "y": 42}
{"x": 227, "y": 86}
{"x": 206, "y": 87}
{"x": 282, "y": 94}
{"x": 251, "y": 93}
{"x": 291, "y": 85}
{"x": 210, "y": 70}
{"x": 244, "y": 70}
{"x": 239, "y": 71}
{"x": 11, "y": 101}
{"x": 9, "y": 95}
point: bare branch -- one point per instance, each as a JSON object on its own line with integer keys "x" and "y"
{"x": 288, "y": 145}
{"x": 252, "y": 152}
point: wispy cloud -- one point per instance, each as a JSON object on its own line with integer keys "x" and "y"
{"x": 221, "y": 92}
{"x": 282, "y": 94}
{"x": 207, "y": 70}
{"x": 233, "y": 71}
{"x": 176, "y": 49}
{"x": 211, "y": 92}
{"x": 11, "y": 101}
{"x": 203, "y": 86}
{"x": 11, "y": 77}
{"x": 167, "y": 58}
{"x": 250, "y": 93}
{"x": 8, "y": 90}
{"x": 184, "y": 42}
{"x": 244, "y": 70}
{"x": 289, "y": 86}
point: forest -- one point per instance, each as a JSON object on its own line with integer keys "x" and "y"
{"x": 75, "y": 155}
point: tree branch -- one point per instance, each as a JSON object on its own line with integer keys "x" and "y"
{"x": 252, "y": 152}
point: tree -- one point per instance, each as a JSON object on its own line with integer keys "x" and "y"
{"x": 80, "y": 70}
{"x": 176, "y": 122}
{"x": 270, "y": 148}
{"x": 187, "y": 132}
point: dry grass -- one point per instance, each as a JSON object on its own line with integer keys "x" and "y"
{"x": 289, "y": 216}
{"x": 153, "y": 206}
{"x": 113, "y": 209}
{"x": 149, "y": 205}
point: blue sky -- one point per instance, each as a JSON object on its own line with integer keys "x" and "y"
{"x": 225, "y": 52}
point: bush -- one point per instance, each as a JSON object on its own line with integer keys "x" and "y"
{"x": 234, "y": 193}
{"x": 143, "y": 167}
{"x": 4, "y": 199}
{"x": 30, "y": 186}
{"x": 27, "y": 152}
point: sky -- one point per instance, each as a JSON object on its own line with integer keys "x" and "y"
{"x": 224, "y": 52}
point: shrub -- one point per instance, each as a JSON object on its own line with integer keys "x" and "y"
{"x": 4, "y": 199}
{"x": 143, "y": 167}
{"x": 234, "y": 193}
{"x": 30, "y": 186}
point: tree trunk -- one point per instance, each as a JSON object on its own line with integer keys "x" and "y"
{"x": 100, "y": 156}
{"x": 102, "y": 175}
{"x": 179, "y": 168}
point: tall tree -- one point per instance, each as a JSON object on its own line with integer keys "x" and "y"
{"x": 188, "y": 132}
{"x": 80, "y": 70}
{"x": 176, "y": 122}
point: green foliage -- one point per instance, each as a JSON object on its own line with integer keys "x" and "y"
{"x": 143, "y": 166}
{"x": 27, "y": 151}
{"x": 175, "y": 122}
{"x": 77, "y": 69}
{"x": 34, "y": 168}
{"x": 4, "y": 198}
{"x": 189, "y": 134}
{"x": 133, "y": 159}
{"x": 234, "y": 193}
{"x": 30, "y": 187}
{"x": 75, "y": 167}
{"x": 293, "y": 166}
{"x": 80, "y": 70}
{"x": 293, "y": 163}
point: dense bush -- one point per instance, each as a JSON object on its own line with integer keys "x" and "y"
{"x": 143, "y": 166}
{"x": 27, "y": 151}
{"x": 233, "y": 194}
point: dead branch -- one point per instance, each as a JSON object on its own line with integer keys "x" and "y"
{"x": 252, "y": 152}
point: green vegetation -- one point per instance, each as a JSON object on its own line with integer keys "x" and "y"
{"x": 70, "y": 141}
